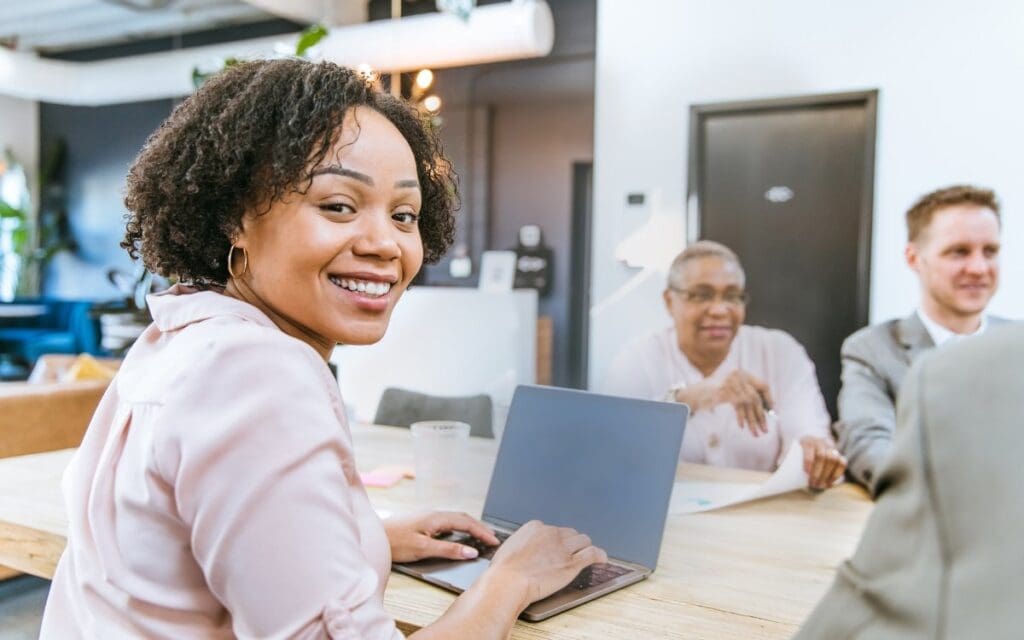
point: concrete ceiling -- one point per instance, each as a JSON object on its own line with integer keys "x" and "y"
{"x": 52, "y": 26}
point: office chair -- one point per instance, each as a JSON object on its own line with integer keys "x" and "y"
{"x": 401, "y": 408}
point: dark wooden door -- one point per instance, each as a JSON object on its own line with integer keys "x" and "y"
{"x": 788, "y": 185}
{"x": 579, "y": 289}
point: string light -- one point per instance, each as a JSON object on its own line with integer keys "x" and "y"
{"x": 432, "y": 104}
{"x": 424, "y": 79}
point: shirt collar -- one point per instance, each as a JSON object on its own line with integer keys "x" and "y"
{"x": 180, "y": 306}
{"x": 941, "y": 335}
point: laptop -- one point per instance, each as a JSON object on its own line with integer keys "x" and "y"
{"x": 603, "y": 465}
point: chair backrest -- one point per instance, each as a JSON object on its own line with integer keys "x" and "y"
{"x": 46, "y": 417}
{"x": 401, "y": 408}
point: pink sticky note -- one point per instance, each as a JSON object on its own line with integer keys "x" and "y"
{"x": 380, "y": 479}
{"x": 386, "y": 475}
{"x": 405, "y": 470}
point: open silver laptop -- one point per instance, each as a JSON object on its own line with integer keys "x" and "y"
{"x": 603, "y": 465}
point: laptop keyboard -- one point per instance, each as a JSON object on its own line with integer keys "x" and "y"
{"x": 592, "y": 576}
{"x": 485, "y": 550}
{"x": 596, "y": 574}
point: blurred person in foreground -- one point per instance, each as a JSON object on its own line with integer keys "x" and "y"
{"x": 941, "y": 553}
{"x": 752, "y": 391}
{"x": 953, "y": 247}
{"x": 215, "y": 493}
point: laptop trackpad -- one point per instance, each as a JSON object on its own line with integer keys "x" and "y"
{"x": 460, "y": 575}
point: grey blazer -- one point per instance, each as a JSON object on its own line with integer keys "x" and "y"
{"x": 943, "y": 552}
{"x": 875, "y": 360}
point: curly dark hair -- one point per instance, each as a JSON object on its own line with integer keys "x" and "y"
{"x": 247, "y": 138}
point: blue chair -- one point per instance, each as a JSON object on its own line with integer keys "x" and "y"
{"x": 67, "y": 326}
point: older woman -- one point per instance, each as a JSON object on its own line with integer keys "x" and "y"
{"x": 752, "y": 391}
{"x": 215, "y": 493}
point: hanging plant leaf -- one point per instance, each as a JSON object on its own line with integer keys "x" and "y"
{"x": 7, "y": 211}
{"x": 460, "y": 8}
{"x": 309, "y": 38}
{"x": 199, "y": 77}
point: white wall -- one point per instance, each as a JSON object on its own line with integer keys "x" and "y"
{"x": 19, "y": 130}
{"x": 950, "y": 104}
{"x": 447, "y": 341}
{"x": 531, "y": 183}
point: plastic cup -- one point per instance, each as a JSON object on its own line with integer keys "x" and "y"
{"x": 439, "y": 447}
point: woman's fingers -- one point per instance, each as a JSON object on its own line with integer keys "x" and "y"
{"x": 577, "y": 542}
{"x": 746, "y": 416}
{"x": 753, "y": 402}
{"x": 442, "y": 521}
{"x": 808, "y": 457}
{"x": 823, "y": 463}
{"x": 764, "y": 391}
{"x": 589, "y": 555}
{"x": 820, "y": 471}
{"x": 838, "y": 469}
{"x": 443, "y": 549}
{"x": 818, "y": 468}
{"x": 758, "y": 406}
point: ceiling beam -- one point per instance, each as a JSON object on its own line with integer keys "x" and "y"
{"x": 140, "y": 26}
{"x": 504, "y": 31}
{"x": 329, "y": 12}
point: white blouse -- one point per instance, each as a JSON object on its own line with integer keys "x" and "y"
{"x": 215, "y": 494}
{"x": 649, "y": 367}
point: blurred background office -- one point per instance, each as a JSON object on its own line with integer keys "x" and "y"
{"x": 794, "y": 132}
{"x": 593, "y": 140}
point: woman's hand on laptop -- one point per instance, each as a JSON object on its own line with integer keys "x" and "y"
{"x": 541, "y": 559}
{"x": 534, "y": 562}
{"x": 413, "y": 537}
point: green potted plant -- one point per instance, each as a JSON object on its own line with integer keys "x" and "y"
{"x": 16, "y": 228}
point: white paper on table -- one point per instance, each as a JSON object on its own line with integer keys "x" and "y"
{"x": 697, "y": 496}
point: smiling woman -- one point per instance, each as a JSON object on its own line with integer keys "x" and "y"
{"x": 357, "y": 223}
{"x": 215, "y": 492}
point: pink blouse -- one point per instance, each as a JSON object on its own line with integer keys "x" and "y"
{"x": 652, "y": 365}
{"x": 215, "y": 494}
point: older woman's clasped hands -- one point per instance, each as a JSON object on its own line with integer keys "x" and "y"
{"x": 749, "y": 395}
{"x": 752, "y": 399}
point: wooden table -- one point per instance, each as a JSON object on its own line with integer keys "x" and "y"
{"x": 749, "y": 571}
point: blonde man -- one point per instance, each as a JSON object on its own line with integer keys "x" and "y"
{"x": 953, "y": 247}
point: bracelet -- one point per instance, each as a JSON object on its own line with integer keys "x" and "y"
{"x": 670, "y": 395}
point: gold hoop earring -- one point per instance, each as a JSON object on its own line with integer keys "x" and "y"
{"x": 245, "y": 262}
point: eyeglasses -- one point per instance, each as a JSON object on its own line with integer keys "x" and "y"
{"x": 702, "y": 296}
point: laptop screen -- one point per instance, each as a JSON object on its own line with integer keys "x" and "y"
{"x": 600, "y": 464}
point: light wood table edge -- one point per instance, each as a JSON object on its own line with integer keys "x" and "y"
{"x": 37, "y": 553}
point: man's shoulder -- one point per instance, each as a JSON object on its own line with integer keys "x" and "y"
{"x": 881, "y": 335}
{"x": 974, "y": 359}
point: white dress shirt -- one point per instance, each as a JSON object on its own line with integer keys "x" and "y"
{"x": 941, "y": 335}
